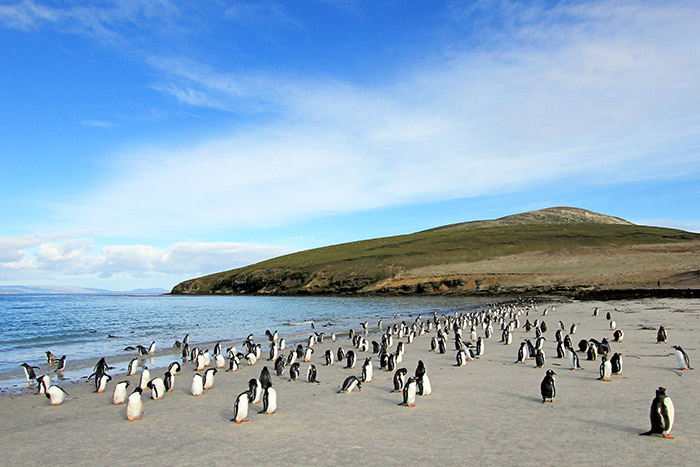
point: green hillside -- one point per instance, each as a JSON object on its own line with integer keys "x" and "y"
{"x": 388, "y": 265}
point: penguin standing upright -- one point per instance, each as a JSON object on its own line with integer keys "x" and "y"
{"x": 197, "y": 388}
{"x": 367, "y": 370}
{"x": 661, "y": 414}
{"x": 240, "y": 407}
{"x": 134, "y": 405}
{"x": 682, "y": 358}
{"x": 661, "y": 335}
{"x": 279, "y": 365}
{"x": 311, "y": 374}
{"x": 351, "y": 360}
{"x": 422, "y": 380}
{"x": 573, "y": 359}
{"x": 255, "y": 390}
{"x": 294, "y": 372}
{"x": 540, "y": 358}
{"x": 56, "y": 395}
{"x": 547, "y": 387}
{"x": 61, "y": 365}
{"x": 399, "y": 379}
{"x": 209, "y": 378}
{"x": 169, "y": 381}
{"x": 29, "y": 371}
{"x": 44, "y": 381}
{"x": 341, "y": 354}
{"x": 616, "y": 363}
{"x": 350, "y": 384}
{"x": 409, "y": 392}
{"x": 605, "y": 369}
{"x": 328, "y": 355}
{"x": 145, "y": 378}
{"x": 269, "y": 400}
{"x": 101, "y": 382}
{"x": 119, "y": 394}
{"x": 265, "y": 378}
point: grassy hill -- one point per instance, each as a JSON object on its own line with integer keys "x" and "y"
{"x": 555, "y": 250}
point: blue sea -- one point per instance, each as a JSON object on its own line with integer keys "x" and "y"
{"x": 86, "y": 328}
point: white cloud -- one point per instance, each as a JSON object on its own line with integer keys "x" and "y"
{"x": 673, "y": 224}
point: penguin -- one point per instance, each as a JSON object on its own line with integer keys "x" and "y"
{"x": 547, "y": 387}
{"x": 613, "y": 325}
{"x": 328, "y": 355}
{"x": 682, "y": 358}
{"x": 56, "y": 395}
{"x": 661, "y": 335}
{"x": 60, "y": 365}
{"x": 618, "y": 335}
{"x": 583, "y": 345}
{"x": 197, "y": 388}
{"x": 509, "y": 338}
{"x": 220, "y": 360}
{"x": 269, "y": 400}
{"x": 252, "y": 358}
{"x": 311, "y": 374}
{"x": 608, "y": 316}
{"x": 573, "y": 360}
{"x": 279, "y": 365}
{"x": 560, "y": 350}
{"x": 367, "y": 370}
{"x": 134, "y": 405}
{"x": 461, "y": 358}
{"x": 174, "y": 368}
{"x": 661, "y": 415}
{"x": 51, "y": 358}
{"x": 480, "y": 347}
{"x": 351, "y": 360}
{"x": 145, "y": 378}
{"x": 409, "y": 392}
{"x": 307, "y": 354}
{"x": 595, "y": 312}
{"x": 605, "y": 369}
{"x": 119, "y": 394}
{"x": 142, "y": 350}
{"x": 233, "y": 364}
{"x": 282, "y": 344}
{"x": 265, "y": 378}
{"x": 29, "y": 371}
{"x": 616, "y": 363}
{"x": 300, "y": 351}
{"x": 157, "y": 387}
{"x": 294, "y": 372}
{"x": 350, "y": 384}
{"x": 209, "y": 378}
{"x": 540, "y": 358}
{"x": 441, "y": 346}
{"x": 523, "y": 353}
{"x": 101, "y": 382}
{"x": 592, "y": 353}
{"x": 424, "y": 386}
{"x": 573, "y": 329}
{"x": 341, "y": 354}
{"x": 185, "y": 351}
{"x": 391, "y": 362}
{"x": 255, "y": 390}
{"x": 169, "y": 381}
{"x": 207, "y": 358}
{"x": 44, "y": 381}
{"x": 399, "y": 379}
{"x": 240, "y": 407}
{"x": 152, "y": 348}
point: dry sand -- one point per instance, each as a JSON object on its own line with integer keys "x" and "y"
{"x": 489, "y": 412}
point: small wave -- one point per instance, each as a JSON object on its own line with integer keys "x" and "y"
{"x": 302, "y": 323}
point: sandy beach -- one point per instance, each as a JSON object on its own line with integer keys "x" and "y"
{"x": 488, "y": 412}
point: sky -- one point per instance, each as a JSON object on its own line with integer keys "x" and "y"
{"x": 146, "y": 142}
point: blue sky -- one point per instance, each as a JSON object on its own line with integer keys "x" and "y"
{"x": 148, "y": 142}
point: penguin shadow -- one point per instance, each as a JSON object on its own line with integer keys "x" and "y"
{"x": 524, "y": 397}
{"x": 613, "y": 426}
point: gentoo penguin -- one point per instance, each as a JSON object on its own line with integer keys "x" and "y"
{"x": 200, "y": 362}
{"x": 51, "y": 358}
{"x": 424, "y": 386}
{"x": 152, "y": 348}
{"x": 252, "y": 358}
{"x": 351, "y": 359}
{"x": 29, "y": 371}
{"x": 311, "y": 374}
{"x": 390, "y": 362}
{"x": 142, "y": 350}
{"x": 540, "y": 358}
{"x": 279, "y": 365}
{"x": 101, "y": 381}
{"x": 220, "y": 361}
{"x": 509, "y": 338}
{"x": 560, "y": 350}
{"x": 605, "y": 369}
{"x": 523, "y": 353}
{"x": 461, "y": 358}
{"x": 613, "y": 325}
{"x": 134, "y": 405}
{"x": 480, "y": 347}
{"x": 350, "y": 384}
{"x": 595, "y": 312}
{"x": 573, "y": 359}
{"x": 255, "y": 389}
{"x": 616, "y": 363}
{"x": 399, "y": 379}
{"x": 197, "y": 388}
{"x": 119, "y": 394}
{"x": 618, "y": 335}
{"x": 269, "y": 400}
{"x": 341, "y": 354}
{"x": 573, "y": 329}
{"x": 328, "y": 355}
{"x": 174, "y": 368}
{"x": 592, "y": 353}
{"x": 583, "y": 345}
{"x": 157, "y": 387}
{"x": 282, "y": 344}
{"x": 265, "y": 378}
{"x": 409, "y": 392}
{"x": 547, "y": 387}
{"x": 240, "y": 407}
{"x": 294, "y": 372}
{"x": 661, "y": 414}
{"x": 145, "y": 378}
{"x": 682, "y": 358}
{"x": 608, "y": 316}
{"x": 61, "y": 365}
{"x": 169, "y": 381}
{"x": 233, "y": 364}
{"x": 207, "y": 357}
{"x": 56, "y": 395}
{"x": 209, "y": 378}
{"x": 44, "y": 381}
{"x": 367, "y": 370}
{"x": 661, "y": 335}
{"x": 307, "y": 354}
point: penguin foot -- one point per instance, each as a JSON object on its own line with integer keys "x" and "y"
{"x": 668, "y": 436}
{"x": 411, "y": 405}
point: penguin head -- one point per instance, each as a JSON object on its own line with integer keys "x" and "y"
{"x": 660, "y": 391}
{"x": 550, "y": 372}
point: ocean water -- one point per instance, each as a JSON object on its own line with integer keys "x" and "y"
{"x": 86, "y": 328}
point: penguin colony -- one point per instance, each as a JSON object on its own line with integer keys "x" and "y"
{"x": 389, "y": 349}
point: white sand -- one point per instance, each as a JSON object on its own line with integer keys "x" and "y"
{"x": 489, "y": 412}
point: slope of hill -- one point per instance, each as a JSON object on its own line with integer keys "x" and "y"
{"x": 554, "y": 250}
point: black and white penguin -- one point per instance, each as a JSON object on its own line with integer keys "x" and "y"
{"x": 351, "y": 359}
{"x": 367, "y": 370}
{"x": 328, "y": 356}
{"x": 101, "y": 381}
{"x": 240, "y": 407}
{"x": 548, "y": 387}
{"x": 234, "y": 363}
{"x": 560, "y": 350}
{"x": 55, "y": 395}
{"x": 44, "y": 381}
{"x": 540, "y": 358}
{"x": 265, "y": 378}
{"x": 409, "y": 392}
{"x": 255, "y": 389}
{"x": 300, "y": 351}
{"x": 269, "y": 400}
{"x": 661, "y": 335}
{"x": 595, "y": 312}
{"x": 60, "y": 365}
{"x": 169, "y": 381}
{"x": 573, "y": 359}
{"x": 583, "y": 346}
{"x": 480, "y": 347}
{"x": 311, "y": 374}
{"x": 157, "y": 387}
{"x": 605, "y": 369}
{"x": 661, "y": 415}
{"x": 119, "y": 393}
{"x": 682, "y": 358}
{"x": 152, "y": 348}
{"x": 51, "y": 358}
{"x": 616, "y": 363}
{"x": 209, "y": 378}
{"x": 145, "y": 378}
{"x": 134, "y": 405}
{"x": 341, "y": 354}
{"x": 618, "y": 335}
{"x": 292, "y": 357}
{"x": 461, "y": 358}
{"x": 572, "y": 330}
{"x": 608, "y": 316}
{"x": 399, "y": 379}
{"x": 592, "y": 353}
{"x": 29, "y": 371}
{"x": 294, "y": 372}
{"x": 197, "y": 388}
{"x": 350, "y": 384}
{"x": 442, "y": 347}
{"x": 523, "y": 353}
{"x": 279, "y": 365}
